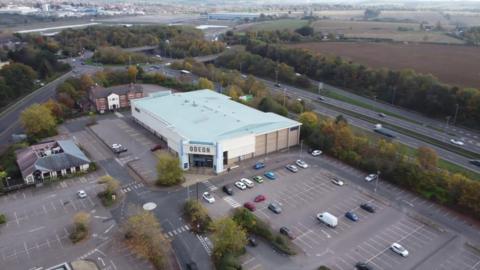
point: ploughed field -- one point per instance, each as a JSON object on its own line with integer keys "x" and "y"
{"x": 452, "y": 64}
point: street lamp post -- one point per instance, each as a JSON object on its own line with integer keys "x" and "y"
{"x": 301, "y": 148}
{"x": 376, "y": 182}
{"x": 456, "y": 113}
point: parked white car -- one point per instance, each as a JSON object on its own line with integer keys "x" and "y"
{"x": 397, "y": 248}
{"x": 337, "y": 181}
{"x": 371, "y": 177}
{"x": 81, "y": 194}
{"x": 316, "y": 153}
{"x": 247, "y": 182}
{"x": 301, "y": 163}
{"x": 208, "y": 197}
{"x": 240, "y": 185}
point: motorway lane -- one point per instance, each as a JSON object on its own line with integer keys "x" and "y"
{"x": 423, "y": 130}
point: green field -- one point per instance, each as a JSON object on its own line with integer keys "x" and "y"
{"x": 289, "y": 24}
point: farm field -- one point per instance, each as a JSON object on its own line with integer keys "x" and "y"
{"x": 456, "y": 65}
{"x": 290, "y": 24}
{"x": 382, "y": 30}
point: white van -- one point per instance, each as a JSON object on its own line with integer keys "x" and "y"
{"x": 328, "y": 219}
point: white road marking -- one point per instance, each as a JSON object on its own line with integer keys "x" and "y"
{"x": 37, "y": 229}
{"x": 109, "y": 228}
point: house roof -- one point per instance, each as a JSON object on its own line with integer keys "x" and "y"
{"x": 208, "y": 116}
{"x": 102, "y": 92}
{"x": 61, "y": 155}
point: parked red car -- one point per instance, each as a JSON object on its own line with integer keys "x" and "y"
{"x": 250, "y": 206}
{"x": 259, "y": 198}
{"x": 156, "y": 147}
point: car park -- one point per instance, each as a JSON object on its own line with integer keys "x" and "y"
{"x": 399, "y": 249}
{"x": 316, "y": 153}
{"x": 81, "y": 194}
{"x": 275, "y": 207}
{"x": 240, "y": 185}
{"x": 208, "y": 197}
{"x": 352, "y": 216}
{"x": 337, "y": 181}
{"x": 292, "y": 168}
{"x": 367, "y": 207}
{"x": 247, "y": 182}
{"x": 259, "y": 198}
{"x": 259, "y": 165}
{"x": 286, "y": 231}
{"x": 371, "y": 177}
{"x": 363, "y": 266}
{"x": 270, "y": 175}
{"x": 457, "y": 142}
{"x": 302, "y": 164}
{"x": 258, "y": 179}
{"x": 250, "y": 206}
{"x": 227, "y": 189}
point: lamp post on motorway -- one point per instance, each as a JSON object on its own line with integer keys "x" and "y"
{"x": 456, "y": 113}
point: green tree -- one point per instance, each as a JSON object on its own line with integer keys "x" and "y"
{"x": 38, "y": 121}
{"x": 305, "y": 30}
{"x": 197, "y": 215}
{"x": 132, "y": 73}
{"x": 19, "y": 77}
{"x": 169, "y": 171}
{"x": 204, "y": 83}
{"x": 309, "y": 122}
{"x": 228, "y": 237}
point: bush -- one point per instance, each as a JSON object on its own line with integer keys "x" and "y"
{"x": 169, "y": 171}
{"x": 81, "y": 222}
{"x": 257, "y": 227}
{"x": 323, "y": 267}
{"x": 229, "y": 262}
{"x": 111, "y": 187}
{"x": 3, "y": 219}
{"x": 197, "y": 215}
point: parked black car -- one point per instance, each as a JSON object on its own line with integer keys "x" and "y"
{"x": 362, "y": 266}
{"x": 227, "y": 189}
{"x": 367, "y": 207}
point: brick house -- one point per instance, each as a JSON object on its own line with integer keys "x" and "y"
{"x": 115, "y": 97}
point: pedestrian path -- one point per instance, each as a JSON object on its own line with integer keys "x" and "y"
{"x": 232, "y": 202}
{"x": 206, "y": 243}
{"x": 179, "y": 230}
{"x": 131, "y": 186}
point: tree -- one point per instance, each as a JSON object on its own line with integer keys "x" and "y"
{"x": 38, "y": 121}
{"x": 234, "y": 91}
{"x": 55, "y": 108}
{"x": 309, "y": 122}
{"x": 305, "y": 30}
{"x": 112, "y": 185}
{"x": 86, "y": 82}
{"x": 197, "y": 215}
{"x": 81, "y": 223}
{"x": 427, "y": 158}
{"x": 143, "y": 235}
{"x": 204, "y": 83}
{"x": 132, "y": 73}
{"x": 19, "y": 77}
{"x": 228, "y": 237}
{"x": 169, "y": 171}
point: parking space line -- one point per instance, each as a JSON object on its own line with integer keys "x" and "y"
{"x": 26, "y": 250}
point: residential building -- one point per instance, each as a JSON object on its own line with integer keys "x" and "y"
{"x": 115, "y": 97}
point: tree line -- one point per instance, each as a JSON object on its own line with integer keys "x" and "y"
{"x": 472, "y": 35}
{"x": 174, "y": 41}
{"x": 420, "y": 175}
{"x": 116, "y": 56}
{"x": 405, "y": 88}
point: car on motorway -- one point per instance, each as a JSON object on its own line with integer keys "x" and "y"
{"x": 367, "y": 207}
{"x": 227, "y": 189}
{"x": 208, "y": 197}
{"x": 363, "y": 266}
{"x": 351, "y": 215}
{"x": 240, "y": 185}
{"x": 382, "y": 114}
{"x": 247, "y": 182}
{"x": 156, "y": 147}
{"x": 259, "y": 198}
{"x": 259, "y": 165}
{"x": 250, "y": 206}
{"x": 316, "y": 153}
{"x": 337, "y": 181}
{"x": 475, "y": 162}
{"x": 277, "y": 85}
{"x": 270, "y": 175}
{"x": 320, "y": 98}
{"x": 118, "y": 148}
{"x": 457, "y": 142}
{"x": 302, "y": 164}
{"x": 275, "y": 207}
{"x": 258, "y": 179}
{"x": 286, "y": 231}
{"x": 292, "y": 168}
{"x": 81, "y": 194}
{"x": 371, "y": 177}
{"x": 399, "y": 249}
